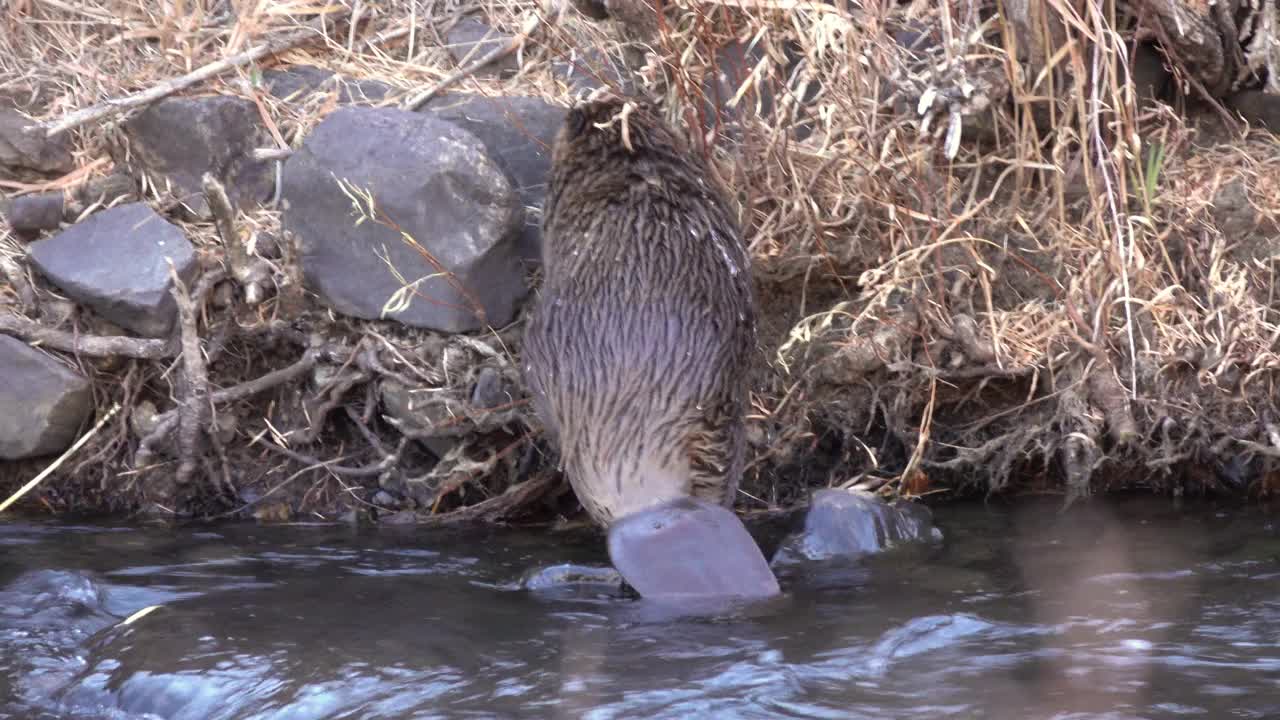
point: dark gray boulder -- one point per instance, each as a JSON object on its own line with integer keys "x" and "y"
{"x": 518, "y": 133}
{"x": 23, "y": 145}
{"x": 178, "y": 139}
{"x": 115, "y": 262}
{"x": 435, "y": 182}
{"x": 45, "y": 403}
{"x": 847, "y": 524}
{"x": 471, "y": 39}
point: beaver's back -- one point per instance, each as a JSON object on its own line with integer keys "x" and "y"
{"x": 637, "y": 351}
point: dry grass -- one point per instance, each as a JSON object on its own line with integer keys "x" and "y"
{"x": 977, "y": 270}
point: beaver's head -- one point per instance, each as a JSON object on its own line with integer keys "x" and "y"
{"x": 607, "y": 125}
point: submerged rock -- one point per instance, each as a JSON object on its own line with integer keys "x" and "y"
{"x": 518, "y": 133}
{"x": 178, "y": 139}
{"x": 568, "y": 575}
{"x": 847, "y": 524}
{"x": 116, "y": 262}
{"x": 44, "y": 402}
{"x": 689, "y": 548}
{"x": 23, "y": 145}
{"x": 431, "y": 179}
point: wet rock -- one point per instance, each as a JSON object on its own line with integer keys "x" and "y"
{"x": 177, "y": 140}
{"x": 23, "y": 145}
{"x": 432, "y": 179}
{"x": 297, "y": 83}
{"x": 470, "y": 40}
{"x": 689, "y": 548}
{"x": 33, "y": 213}
{"x": 116, "y": 262}
{"x": 44, "y": 402}
{"x": 568, "y": 575}
{"x": 518, "y": 133}
{"x": 847, "y": 524}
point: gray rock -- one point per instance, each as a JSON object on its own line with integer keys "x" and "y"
{"x": 471, "y": 39}
{"x": 489, "y": 391}
{"x": 586, "y": 71}
{"x": 518, "y": 133}
{"x": 177, "y": 140}
{"x": 24, "y": 145}
{"x": 431, "y": 178}
{"x": 416, "y": 411}
{"x": 44, "y": 402}
{"x": 115, "y": 262}
{"x": 297, "y": 83}
{"x": 567, "y": 575}
{"x": 689, "y": 548}
{"x": 853, "y": 524}
{"x": 36, "y": 212}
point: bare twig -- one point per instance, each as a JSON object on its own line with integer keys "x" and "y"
{"x": 88, "y": 345}
{"x": 496, "y": 508}
{"x": 193, "y": 409}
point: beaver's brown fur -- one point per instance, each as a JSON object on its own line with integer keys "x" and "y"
{"x": 637, "y": 351}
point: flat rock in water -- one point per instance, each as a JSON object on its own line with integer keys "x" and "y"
{"x": 689, "y": 548}
{"x": 44, "y": 402}
{"x": 518, "y": 133}
{"x": 471, "y": 39}
{"x": 569, "y": 575}
{"x": 24, "y": 145}
{"x": 428, "y": 177}
{"x": 846, "y": 524}
{"x": 178, "y": 139}
{"x": 116, "y": 262}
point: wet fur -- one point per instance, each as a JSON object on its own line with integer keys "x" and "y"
{"x": 636, "y": 353}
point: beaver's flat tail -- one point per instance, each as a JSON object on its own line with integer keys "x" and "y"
{"x": 688, "y": 548}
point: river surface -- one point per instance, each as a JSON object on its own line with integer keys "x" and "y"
{"x": 1113, "y": 609}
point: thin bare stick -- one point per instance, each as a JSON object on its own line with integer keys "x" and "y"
{"x": 88, "y": 345}
{"x": 61, "y": 459}
{"x": 193, "y": 407}
{"x": 284, "y": 42}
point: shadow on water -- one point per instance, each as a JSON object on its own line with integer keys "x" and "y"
{"x": 1127, "y": 609}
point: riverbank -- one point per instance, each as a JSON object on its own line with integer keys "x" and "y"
{"x": 982, "y": 269}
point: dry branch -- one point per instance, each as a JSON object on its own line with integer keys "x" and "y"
{"x": 87, "y": 345}
{"x": 270, "y": 47}
{"x": 193, "y": 409}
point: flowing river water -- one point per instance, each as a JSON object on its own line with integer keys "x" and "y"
{"x": 1131, "y": 608}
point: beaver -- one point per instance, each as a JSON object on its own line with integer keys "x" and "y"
{"x": 637, "y": 350}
